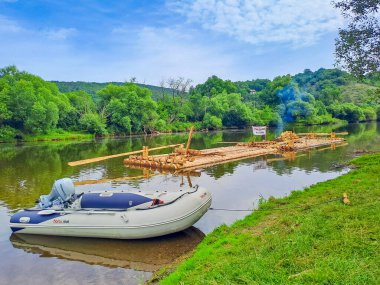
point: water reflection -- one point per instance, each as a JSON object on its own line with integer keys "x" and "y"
{"x": 142, "y": 255}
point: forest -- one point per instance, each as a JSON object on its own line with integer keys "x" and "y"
{"x": 31, "y": 106}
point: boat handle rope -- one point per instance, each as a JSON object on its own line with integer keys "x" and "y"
{"x": 171, "y": 202}
{"x": 117, "y": 210}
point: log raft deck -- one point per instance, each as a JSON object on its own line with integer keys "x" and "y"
{"x": 186, "y": 159}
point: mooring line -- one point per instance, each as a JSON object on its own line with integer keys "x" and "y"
{"x": 230, "y": 210}
{"x": 282, "y": 208}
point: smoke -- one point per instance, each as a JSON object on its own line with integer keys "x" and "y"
{"x": 294, "y": 104}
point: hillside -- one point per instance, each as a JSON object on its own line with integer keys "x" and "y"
{"x": 93, "y": 87}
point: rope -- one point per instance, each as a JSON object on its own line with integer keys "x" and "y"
{"x": 270, "y": 209}
{"x": 230, "y": 210}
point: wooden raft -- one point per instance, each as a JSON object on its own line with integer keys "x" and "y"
{"x": 186, "y": 159}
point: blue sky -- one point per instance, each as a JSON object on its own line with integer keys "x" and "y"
{"x": 154, "y": 40}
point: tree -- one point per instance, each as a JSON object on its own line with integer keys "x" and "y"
{"x": 358, "y": 46}
{"x": 175, "y": 109}
{"x": 127, "y": 108}
{"x": 214, "y": 85}
{"x": 269, "y": 95}
{"x": 212, "y": 122}
{"x": 93, "y": 123}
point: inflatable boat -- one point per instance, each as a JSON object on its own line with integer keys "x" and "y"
{"x": 110, "y": 214}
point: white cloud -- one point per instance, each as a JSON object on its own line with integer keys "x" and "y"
{"x": 295, "y": 22}
{"x": 171, "y": 52}
{"x": 41, "y": 52}
{"x": 9, "y": 26}
{"x": 60, "y": 33}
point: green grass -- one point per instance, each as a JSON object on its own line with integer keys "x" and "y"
{"x": 58, "y": 136}
{"x": 302, "y": 239}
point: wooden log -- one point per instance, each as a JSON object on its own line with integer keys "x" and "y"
{"x": 189, "y": 151}
{"x": 166, "y": 166}
{"x": 96, "y": 159}
{"x": 322, "y": 134}
{"x": 189, "y": 139}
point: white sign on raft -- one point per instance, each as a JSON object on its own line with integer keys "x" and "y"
{"x": 259, "y": 131}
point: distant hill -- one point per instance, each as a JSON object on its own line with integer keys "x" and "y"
{"x": 93, "y": 87}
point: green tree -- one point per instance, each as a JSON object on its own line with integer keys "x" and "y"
{"x": 212, "y": 122}
{"x": 214, "y": 85}
{"x": 93, "y": 123}
{"x": 347, "y": 111}
{"x": 269, "y": 95}
{"x": 117, "y": 103}
{"x": 358, "y": 45}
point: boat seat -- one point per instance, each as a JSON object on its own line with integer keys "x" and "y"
{"x": 109, "y": 200}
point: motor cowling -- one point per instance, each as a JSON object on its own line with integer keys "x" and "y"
{"x": 62, "y": 191}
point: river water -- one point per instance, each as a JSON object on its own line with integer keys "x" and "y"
{"x": 28, "y": 170}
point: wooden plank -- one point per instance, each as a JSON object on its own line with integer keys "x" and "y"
{"x": 96, "y": 159}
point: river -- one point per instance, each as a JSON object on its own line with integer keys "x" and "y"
{"x": 28, "y": 170}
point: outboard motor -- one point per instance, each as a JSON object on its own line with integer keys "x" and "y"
{"x": 62, "y": 191}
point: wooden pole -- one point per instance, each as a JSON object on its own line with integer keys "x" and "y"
{"x": 96, "y": 159}
{"x": 86, "y": 182}
{"x": 146, "y": 173}
{"x": 145, "y": 152}
{"x": 266, "y": 130}
{"x": 189, "y": 180}
{"x": 189, "y": 139}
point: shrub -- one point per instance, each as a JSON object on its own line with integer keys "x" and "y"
{"x": 93, "y": 124}
{"x": 212, "y": 122}
{"x": 7, "y": 133}
{"x": 369, "y": 113}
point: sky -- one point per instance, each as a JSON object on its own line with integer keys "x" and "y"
{"x": 102, "y": 41}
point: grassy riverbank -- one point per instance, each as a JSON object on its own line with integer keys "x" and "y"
{"x": 310, "y": 237}
{"x": 58, "y": 136}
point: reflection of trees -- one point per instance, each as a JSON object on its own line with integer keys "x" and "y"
{"x": 366, "y": 137}
{"x": 30, "y": 170}
{"x": 311, "y": 161}
{"x": 340, "y": 127}
{"x": 220, "y": 170}
{"x": 206, "y": 140}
